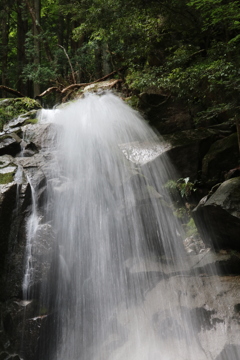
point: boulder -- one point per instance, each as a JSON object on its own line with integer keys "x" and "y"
{"x": 7, "y": 205}
{"x": 184, "y": 150}
{"x": 222, "y": 156}
{"x": 218, "y": 217}
{"x": 188, "y": 148}
{"x": 203, "y": 308}
{"x": 101, "y": 86}
{"x": 10, "y": 144}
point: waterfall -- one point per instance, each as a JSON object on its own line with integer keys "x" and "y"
{"x": 119, "y": 285}
{"x": 31, "y": 227}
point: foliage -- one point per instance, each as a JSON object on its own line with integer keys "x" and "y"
{"x": 191, "y": 229}
{"x": 11, "y": 108}
{"x": 183, "y": 186}
{"x": 187, "y": 49}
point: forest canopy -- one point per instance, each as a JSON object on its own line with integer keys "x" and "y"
{"x": 184, "y": 48}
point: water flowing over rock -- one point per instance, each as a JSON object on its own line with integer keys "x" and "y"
{"x": 94, "y": 262}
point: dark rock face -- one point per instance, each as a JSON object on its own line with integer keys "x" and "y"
{"x": 165, "y": 114}
{"x": 7, "y": 206}
{"x": 22, "y": 165}
{"x": 219, "y": 216}
{"x": 188, "y": 148}
{"x": 185, "y": 149}
{"x": 222, "y": 156}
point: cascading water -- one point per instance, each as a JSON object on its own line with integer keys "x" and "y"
{"x": 110, "y": 293}
{"x": 32, "y": 226}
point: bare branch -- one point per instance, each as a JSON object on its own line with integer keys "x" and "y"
{"x": 76, "y": 86}
{"x": 48, "y": 91}
{"x": 69, "y": 61}
{"x": 11, "y": 91}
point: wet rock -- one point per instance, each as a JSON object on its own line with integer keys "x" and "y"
{"x": 38, "y": 136}
{"x": 166, "y": 326}
{"x": 5, "y": 161}
{"x": 230, "y": 352}
{"x": 16, "y": 123}
{"x": 21, "y": 325}
{"x": 233, "y": 173}
{"x": 194, "y": 245}
{"x": 222, "y": 156}
{"x": 185, "y": 149}
{"x": 165, "y": 114}
{"x": 219, "y": 217}
{"x": 7, "y": 206}
{"x": 100, "y": 86}
{"x": 190, "y": 312}
{"x": 188, "y": 148}
{"x": 10, "y": 144}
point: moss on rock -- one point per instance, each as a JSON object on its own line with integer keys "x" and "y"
{"x": 11, "y": 108}
{"x": 6, "y": 178}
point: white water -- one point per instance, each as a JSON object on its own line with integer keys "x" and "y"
{"x": 115, "y": 240}
{"x": 31, "y": 229}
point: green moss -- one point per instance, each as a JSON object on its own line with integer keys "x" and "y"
{"x": 12, "y": 108}
{"x": 191, "y": 228}
{"x": 6, "y": 178}
{"x": 30, "y": 121}
{"x": 43, "y": 311}
{"x": 133, "y": 101}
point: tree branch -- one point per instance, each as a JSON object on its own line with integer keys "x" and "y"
{"x": 48, "y": 91}
{"x": 69, "y": 61}
{"x": 76, "y": 86}
{"x": 11, "y": 91}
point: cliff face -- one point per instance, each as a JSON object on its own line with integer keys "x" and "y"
{"x": 21, "y": 167}
{"x": 208, "y": 155}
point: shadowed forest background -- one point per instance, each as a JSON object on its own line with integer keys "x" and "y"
{"x": 184, "y": 49}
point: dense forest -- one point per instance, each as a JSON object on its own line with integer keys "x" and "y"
{"x": 187, "y": 49}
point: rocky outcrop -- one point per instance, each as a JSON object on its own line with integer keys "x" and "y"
{"x": 185, "y": 150}
{"x": 22, "y": 165}
{"x": 218, "y": 216}
{"x": 222, "y": 156}
{"x": 200, "y": 302}
{"x": 13, "y": 108}
{"x": 164, "y": 113}
{"x": 188, "y": 149}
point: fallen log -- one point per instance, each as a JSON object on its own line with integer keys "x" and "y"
{"x": 11, "y": 91}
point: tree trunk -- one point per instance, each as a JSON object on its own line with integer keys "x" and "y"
{"x": 105, "y": 59}
{"x": 98, "y": 61}
{"x": 4, "y": 53}
{"x": 22, "y": 28}
{"x": 39, "y": 29}
{"x": 37, "y": 59}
